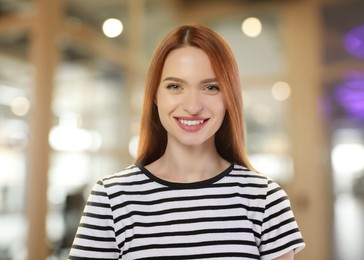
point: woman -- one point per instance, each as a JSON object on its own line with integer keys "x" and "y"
{"x": 192, "y": 193}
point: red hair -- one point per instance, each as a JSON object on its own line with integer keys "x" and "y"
{"x": 230, "y": 138}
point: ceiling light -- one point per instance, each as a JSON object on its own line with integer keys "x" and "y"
{"x": 112, "y": 27}
{"x": 281, "y": 90}
{"x": 251, "y": 27}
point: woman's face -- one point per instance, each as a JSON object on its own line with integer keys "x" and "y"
{"x": 190, "y": 104}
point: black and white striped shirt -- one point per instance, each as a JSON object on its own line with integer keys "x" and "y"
{"x": 238, "y": 214}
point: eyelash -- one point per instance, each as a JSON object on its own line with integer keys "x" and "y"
{"x": 173, "y": 86}
{"x": 209, "y": 88}
{"x": 212, "y": 88}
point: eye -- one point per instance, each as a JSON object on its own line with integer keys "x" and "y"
{"x": 173, "y": 87}
{"x": 212, "y": 88}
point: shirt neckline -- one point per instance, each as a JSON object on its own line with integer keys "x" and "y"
{"x": 186, "y": 185}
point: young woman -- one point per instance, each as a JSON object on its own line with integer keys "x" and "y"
{"x": 192, "y": 193}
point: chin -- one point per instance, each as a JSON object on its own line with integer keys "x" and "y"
{"x": 196, "y": 142}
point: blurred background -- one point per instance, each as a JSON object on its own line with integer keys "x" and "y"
{"x": 71, "y": 86}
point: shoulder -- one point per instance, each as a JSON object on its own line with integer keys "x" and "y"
{"x": 127, "y": 173}
{"x": 127, "y": 180}
{"x": 127, "y": 176}
{"x": 242, "y": 173}
{"x": 256, "y": 180}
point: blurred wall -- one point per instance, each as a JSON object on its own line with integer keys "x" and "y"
{"x": 70, "y": 100}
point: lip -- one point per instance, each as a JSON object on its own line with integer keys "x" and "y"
{"x": 191, "y": 124}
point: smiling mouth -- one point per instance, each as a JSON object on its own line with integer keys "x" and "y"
{"x": 190, "y": 122}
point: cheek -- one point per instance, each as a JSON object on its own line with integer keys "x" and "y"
{"x": 156, "y": 97}
{"x": 223, "y": 114}
{"x": 221, "y": 110}
{"x": 220, "y": 106}
{"x": 164, "y": 106}
{"x": 166, "y": 103}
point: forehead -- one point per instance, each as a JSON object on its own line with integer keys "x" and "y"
{"x": 187, "y": 51}
{"x": 188, "y": 60}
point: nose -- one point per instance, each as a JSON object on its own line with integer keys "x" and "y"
{"x": 193, "y": 103}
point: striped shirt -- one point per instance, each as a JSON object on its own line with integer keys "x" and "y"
{"x": 237, "y": 214}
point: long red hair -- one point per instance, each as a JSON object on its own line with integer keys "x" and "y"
{"x": 230, "y": 138}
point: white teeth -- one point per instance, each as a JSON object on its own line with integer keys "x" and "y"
{"x": 191, "y": 122}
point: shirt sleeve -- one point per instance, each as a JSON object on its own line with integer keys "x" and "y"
{"x": 95, "y": 236}
{"x": 280, "y": 232}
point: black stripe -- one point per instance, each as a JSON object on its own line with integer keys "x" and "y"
{"x": 248, "y": 175}
{"x": 96, "y": 249}
{"x": 189, "y": 198}
{"x": 277, "y": 201}
{"x": 97, "y": 216}
{"x": 204, "y": 256}
{"x": 184, "y": 221}
{"x": 124, "y": 175}
{"x": 98, "y": 204}
{"x": 280, "y": 224}
{"x": 282, "y": 235}
{"x": 89, "y": 226}
{"x": 270, "y": 192}
{"x": 268, "y": 218}
{"x": 163, "y": 189}
{"x": 190, "y": 233}
{"x": 188, "y": 209}
{"x": 235, "y": 168}
{"x": 137, "y": 192}
{"x": 128, "y": 183}
{"x": 99, "y": 193}
{"x": 71, "y": 257}
{"x": 280, "y": 248}
{"x": 189, "y": 245}
{"x": 98, "y": 238}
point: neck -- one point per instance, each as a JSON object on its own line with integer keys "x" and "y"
{"x": 188, "y": 164}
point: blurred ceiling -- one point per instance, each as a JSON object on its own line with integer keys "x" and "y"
{"x": 94, "y": 12}
{"x": 160, "y": 15}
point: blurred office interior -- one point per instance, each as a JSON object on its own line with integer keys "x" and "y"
{"x": 71, "y": 92}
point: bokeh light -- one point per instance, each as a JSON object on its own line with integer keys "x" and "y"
{"x": 354, "y": 41}
{"x": 112, "y": 27}
{"x": 20, "y": 106}
{"x": 252, "y": 27}
{"x": 281, "y": 90}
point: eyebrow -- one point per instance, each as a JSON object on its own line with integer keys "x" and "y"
{"x": 209, "y": 80}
